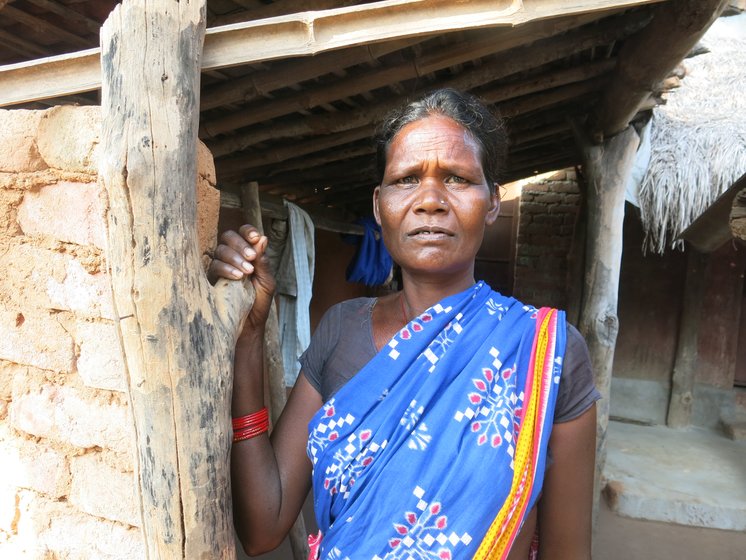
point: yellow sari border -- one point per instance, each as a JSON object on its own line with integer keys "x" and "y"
{"x": 504, "y": 528}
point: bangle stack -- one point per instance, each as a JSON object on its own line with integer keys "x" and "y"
{"x": 251, "y": 425}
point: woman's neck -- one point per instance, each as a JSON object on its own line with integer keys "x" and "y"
{"x": 420, "y": 294}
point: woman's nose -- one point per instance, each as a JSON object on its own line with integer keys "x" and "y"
{"x": 431, "y": 198}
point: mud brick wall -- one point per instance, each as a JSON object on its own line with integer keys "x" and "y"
{"x": 549, "y": 208}
{"x": 68, "y": 488}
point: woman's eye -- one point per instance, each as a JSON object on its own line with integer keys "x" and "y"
{"x": 456, "y": 179}
{"x": 408, "y": 180}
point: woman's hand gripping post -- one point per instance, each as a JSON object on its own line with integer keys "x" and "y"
{"x": 242, "y": 254}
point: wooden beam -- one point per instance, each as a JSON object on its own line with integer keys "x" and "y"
{"x": 550, "y": 98}
{"x": 311, "y": 33}
{"x": 681, "y": 398}
{"x": 43, "y": 27}
{"x": 68, "y": 14}
{"x": 714, "y": 227}
{"x": 548, "y": 81}
{"x": 22, "y": 46}
{"x": 177, "y": 332}
{"x": 277, "y": 154}
{"x": 275, "y": 9}
{"x": 324, "y": 218}
{"x": 737, "y": 220}
{"x": 645, "y": 61}
{"x": 290, "y": 72}
{"x": 55, "y": 76}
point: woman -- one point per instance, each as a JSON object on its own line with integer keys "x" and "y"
{"x": 443, "y": 421}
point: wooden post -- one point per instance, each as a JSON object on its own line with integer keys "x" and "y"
{"x": 607, "y": 168}
{"x": 177, "y": 332}
{"x": 274, "y": 371}
{"x": 685, "y": 364}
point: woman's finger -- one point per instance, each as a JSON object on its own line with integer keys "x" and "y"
{"x": 236, "y": 241}
{"x": 229, "y": 256}
{"x": 220, "y": 269}
{"x": 250, "y": 233}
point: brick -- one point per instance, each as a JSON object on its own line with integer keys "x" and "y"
{"x": 83, "y": 536}
{"x": 549, "y": 198}
{"x": 565, "y": 209}
{"x": 8, "y": 370}
{"x": 47, "y": 530}
{"x": 35, "y": 466}
{"x": 47, "y": 211}
{"x": 54, "y": 280}
{"x": 18, "y": 149}
{"x": 549, "y": 219}
{"x": 208, "y": 205}
{"x": 68, "y": 137}
{"x": 564, "y": 187}
{"x": 35, "y": 339}
{"x": 533, "y": 208}
{"x": 103, "y": 491}
{"x": 536, "y": 188}
{"x": 538, "y": 227}
{"x": 66, "y": 415}
{"x": 572, "y": 199}
{"x": 100, "y": 361}
{"x": 530, "y": 250}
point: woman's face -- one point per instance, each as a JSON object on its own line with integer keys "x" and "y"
{"x": 434, "y": 202}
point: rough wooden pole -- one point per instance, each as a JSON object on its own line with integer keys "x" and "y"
{"x": 275, "y": 373}
{"x": 685, "y": 364}
{"x": 177, "y": 333}
{"x": 607, "y": 168}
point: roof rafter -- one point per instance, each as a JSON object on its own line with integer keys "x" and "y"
{"x": 302, "y": 34}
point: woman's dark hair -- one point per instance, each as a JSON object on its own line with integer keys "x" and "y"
{"x": 486, "y": 129}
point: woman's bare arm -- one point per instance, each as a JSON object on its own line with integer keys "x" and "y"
{"x": 270, "y": 478}
{"x": 565, "y": 510}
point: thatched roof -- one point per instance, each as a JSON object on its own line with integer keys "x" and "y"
{"x": 698, "y": 137}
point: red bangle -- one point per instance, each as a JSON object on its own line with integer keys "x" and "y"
{"x": 251, "y": 425}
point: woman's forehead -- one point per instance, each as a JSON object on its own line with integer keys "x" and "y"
{"x": 434, "y": 134}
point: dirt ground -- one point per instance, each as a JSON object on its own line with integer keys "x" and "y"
{"x": 620, "y": 538}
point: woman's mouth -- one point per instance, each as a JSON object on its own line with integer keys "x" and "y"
{"x": 430, "y": 232}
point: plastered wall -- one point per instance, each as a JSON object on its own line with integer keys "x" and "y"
{"x": 68, "y": 488}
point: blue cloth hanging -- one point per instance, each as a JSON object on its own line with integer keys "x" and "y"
{"x": 372, "y": 263}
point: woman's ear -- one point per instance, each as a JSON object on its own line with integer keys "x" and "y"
{"x": 494, "y": 209}
{"x": 376, "y": 195}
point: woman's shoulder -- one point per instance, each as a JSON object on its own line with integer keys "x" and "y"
{"x": 349, "y": 307}
{"x": 577, "y": 391}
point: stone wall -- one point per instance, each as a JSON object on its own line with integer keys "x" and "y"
{"x": 549, "y": 208}
{"x": 68, "y": 488}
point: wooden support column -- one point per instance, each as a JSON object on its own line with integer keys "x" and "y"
{"x": 177, "y": 332}
{"x": 685, "y": 364}
{"x": 274, "y": 371}
{"x": 607, "y": 168}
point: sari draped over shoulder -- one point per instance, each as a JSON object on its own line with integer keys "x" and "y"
{"x": 436, "y": 449}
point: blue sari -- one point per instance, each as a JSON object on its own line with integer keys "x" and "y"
{"x": 418, "y": 455}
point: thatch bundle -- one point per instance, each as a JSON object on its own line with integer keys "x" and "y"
{"x": 698, "y": 139}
